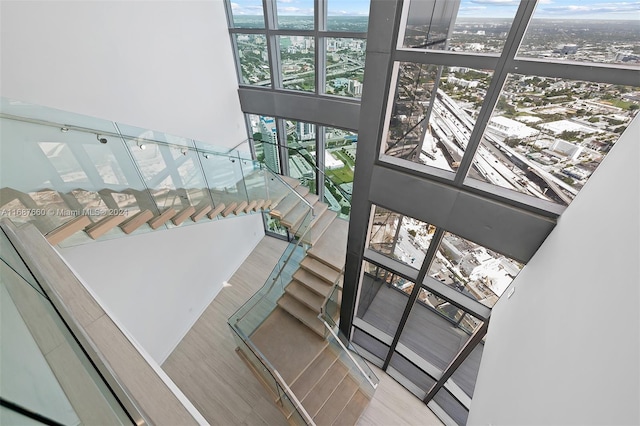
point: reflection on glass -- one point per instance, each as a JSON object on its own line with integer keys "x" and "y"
{"x": 348, "y": 15}
{"x": 464, "y": 378}
{"x": 295, "y": 14}
{"x": 473, "y": 270}
{"x": 383, "y": 296}
{"x": 400, "y": 237}
{"x": 584, "y": 34}
{"x": 301, "y": 141}
{"x": 265, "y": 141}
{"x": 63, "y": 160}
{"x": 339, "y": 166}
{"x": 466, "y": 25}
{"x": 297, "y": 57}
{"x": 247, "y": 13}
{"x": 547, "y": 135}
{"x": 345, "y": 66}
{"x": 435, "y": 331}
{"x": 254, "y": 59}
{"x": 435, "y": 130}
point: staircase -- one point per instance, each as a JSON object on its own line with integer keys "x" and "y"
{"x": 294, "y": 338}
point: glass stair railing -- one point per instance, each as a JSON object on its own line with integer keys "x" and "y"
{"x": 78, "y": 178}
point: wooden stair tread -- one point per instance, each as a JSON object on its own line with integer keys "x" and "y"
{"x": 319, "y": 394}
{"x": 136, "y": 221}
{"x": 287, "y": 204}
{"x": 320, "y": 270}
{"x": 331, "y": 247}
{"x": 353, "y": 410}
{"x": 104, "y": 225}
{"x": 302, "y": 312}
{"x": 313, "y": 282}
{"x": 305, "y": 296}
{"x": 319, "y": 226}
{"x": 292, "y": 182}
{"x": 230, "y": 208}
{"x": 67, "y": 229}
{"x": 183, "y": 215}
{"x": 201, "y": 210}
{"x": 296, "y": 214}
{"x": 313, "y": 373}
{"x": 259, "y": 204}
{"x": 336, "y": 402}
{"x": 250, "y": 206}
{"x": 240, "y": 207}
{"x": 216, "y": 211}
{"x": 162, "y": 218}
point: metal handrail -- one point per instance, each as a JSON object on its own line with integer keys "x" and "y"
{"x": 275, "y": 374}
{"x": 366, "y": 376}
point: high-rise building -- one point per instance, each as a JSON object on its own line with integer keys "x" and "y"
{"x": 270, "y": 143}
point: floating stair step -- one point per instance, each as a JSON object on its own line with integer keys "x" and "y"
{"x": 318, "y": 210}
{"x": 353, "y": 410}
{"x": 250, "y": 206}
{"x": 305, "y": 296}
{"x": 104, "y": 225}
{"x": 319, "y": 394}
{"x": 201, "y": 211}
{"x": 336, "y": 402}
{"x": 162, "y": 218}
{"x": 136, "y": 221}
{"x": 331, "y": 247}
{"x": 268, "y": 204}
{"x": 240, "y": 208}
{"x": 313, "y": 282}
{"x": 258, "y": 205}
{"x": 319, "y": 269}
{"x": 226, "y": 212}
{"x": 183, "y": 215}
{"x": 67, "y": 229}
{"x": 285, "y": 206}
{"x": 292, "y": 182}
{"x": 319, "y": 226}
{"x": 216, "y": 211}
{"x": 303, "y": 313}
{"x": 313, "y": 373}
{"x": 300, "y": 211}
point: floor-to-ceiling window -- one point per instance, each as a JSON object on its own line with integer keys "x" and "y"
{"x": 494, "y": 112}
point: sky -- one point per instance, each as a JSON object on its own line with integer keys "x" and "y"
{"x": 554, "y": 9}
{"x": 549, "y": 9}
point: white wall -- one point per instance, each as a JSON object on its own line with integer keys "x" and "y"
{"x": 565, "y": 348}
{"x": 157, "y": 284}
{"x": 160, "y": 65}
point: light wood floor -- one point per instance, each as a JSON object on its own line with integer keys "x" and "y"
{"x": 209, "y": 372}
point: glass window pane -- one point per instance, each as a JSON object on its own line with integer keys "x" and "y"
{"x": 339, "y": 166}
{"x": 477, "y": 26}
{"x": 451, "y": 407}
{"x": 377, "y": 351}
{"x": 265, "y": 141}
{"x": 348, "y": 15}
{"x": 247, "y": 13}
{"x": 301, "y": 142}
{"x": 254, "y": 59}
{"x": 295, "y": 14}
{"x": 584, "y": 32}
{"x": 409, "y": 371}
{"x": 433, "y": 114}
{"x": 465, "y": 376}
{"x": 547, "y": 135}
{"x": 473, "y": 270}
{"x": 400, "y": 237}
{"x": 383, "y": 297}
{"x": 433, "y": 333}
{"x": 345, "y": 66}
{"x": 297, "y": 56}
